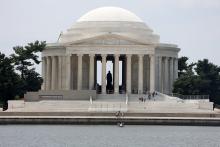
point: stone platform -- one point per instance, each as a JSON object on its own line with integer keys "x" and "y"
{"x": 157, "y": 111}
{"x": 149, "y": 106}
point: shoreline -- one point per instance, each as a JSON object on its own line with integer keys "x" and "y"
{"x": 101, "y": 118}
{"x": 110, "y": 121}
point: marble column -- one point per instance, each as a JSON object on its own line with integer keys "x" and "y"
{"x": 48, "y": 82}
{"x": 103, "y": 73}
{"x": 54, "y": 73}
{"x": 152, "y": 73}
{"x": 171, "y": 75}
{"x": 123, "y": 74}
{"x": 175, "y": 68}
{"x": 140, "y": 74}
{"x": 116, "y": 79}
{"x": 79, "y": 73}
{"x": 91, "y": 71}
{"x": 95, "y": 73}
{"x": 166, "y": 76}
{"x": 44, "y": 71}
{"x": 68, "y": 72}
{"x": 128, "y": 72}
{"x": 59, "y": 72}
{"x": 160, "y": 74}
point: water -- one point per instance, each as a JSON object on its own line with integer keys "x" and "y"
{"x": 108, "y": 136}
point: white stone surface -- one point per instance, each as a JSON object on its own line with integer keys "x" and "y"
{"x": 128, "y": 77}
{"x": 79, "y": 74}
{"x": 91, "y": 71}
{"x": 116, "y": 79}
{"x": 68, "y": 72}
{"x": 109, "y": 33}
{"x": 140, "y": 74}
{"x": 15, "y": 104}
{"x": 159, "y": 105}
{"x": 103, "y": 74}
{"x": 109, "y": 14}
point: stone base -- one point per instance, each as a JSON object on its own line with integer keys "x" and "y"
{"x": 60, "y": 95}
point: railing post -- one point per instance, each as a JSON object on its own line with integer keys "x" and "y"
{"x": 90, "y": 98}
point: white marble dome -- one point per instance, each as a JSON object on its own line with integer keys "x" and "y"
{"x": 110, "y": 14}
{"x": 109, "y": 20}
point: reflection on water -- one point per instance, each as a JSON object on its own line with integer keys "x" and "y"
{"x": 108, "y": 136}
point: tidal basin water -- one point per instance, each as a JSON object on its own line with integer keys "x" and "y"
{"x": 108, "y": 136}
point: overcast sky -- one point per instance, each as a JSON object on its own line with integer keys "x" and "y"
{"x": 194, "y": 25}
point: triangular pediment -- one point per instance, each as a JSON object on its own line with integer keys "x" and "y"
{"x": 107, "y": 39}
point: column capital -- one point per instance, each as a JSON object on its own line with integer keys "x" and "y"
{"x": 103, "y": 55}
{"x": 79, "y": 55}
{"x": 116, "y": 55}
{"x": 61, "y": 56}
{"x": 166, "y": 58}
{"x": 170, "y": 58}
{"x": 128, "y": 55}
{"x": 152, "y": 55}
{"x": 159, "y": 57}
{"x": 91, "y": 55}
{"x": 68, "y": 55}
{"x": 140, "y": 55}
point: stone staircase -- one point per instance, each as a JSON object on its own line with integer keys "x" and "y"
{"x": 108, "y": 107}
{"x": 111, "y": 97}
{"x": 111, "y": 103}
{"x": 53, "y": 106}
{"x": 161, "y": 106}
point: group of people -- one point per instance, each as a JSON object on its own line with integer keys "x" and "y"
{"x": 149, "y": 96}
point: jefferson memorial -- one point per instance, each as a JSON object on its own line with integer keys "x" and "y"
{"x": 107, "y": 34}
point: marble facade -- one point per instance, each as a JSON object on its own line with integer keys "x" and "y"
{"x": 70, "y": 64}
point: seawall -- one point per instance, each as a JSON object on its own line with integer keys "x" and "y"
{"x": 75, "y": 118}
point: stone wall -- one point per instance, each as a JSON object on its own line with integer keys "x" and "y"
{"x": 60, "y": 95}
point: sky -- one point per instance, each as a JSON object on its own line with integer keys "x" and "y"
{"x": 194, "y": 25}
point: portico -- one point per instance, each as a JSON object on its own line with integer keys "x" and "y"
{"x": 139, "y": 79}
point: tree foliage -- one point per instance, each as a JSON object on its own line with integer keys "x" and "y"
{"x": 11, "y": 82}
{"x": 182, "y": 64}
{"x": 201, "y": 78}
{"x": 25, "y": 57}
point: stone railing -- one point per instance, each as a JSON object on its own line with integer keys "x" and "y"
{"x": 190, "y": 97}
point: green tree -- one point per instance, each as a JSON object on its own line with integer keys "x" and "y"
{"x": 32, "y": 80}
{"x": 182, "y": 65}
{"x": 11, "y": 83}
{"x": 9, "y": 80}
{"x": 201, "y": 78}
{"x": 25, "y": 57}
{"x": 186, "y": 83}
{"x": 210, "y": 77}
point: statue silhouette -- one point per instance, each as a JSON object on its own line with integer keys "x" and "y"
{"x": 109, "y": 81}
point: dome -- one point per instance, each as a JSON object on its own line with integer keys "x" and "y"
{"x": 108, "y": 21}
{"x": 109, "y": 14}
